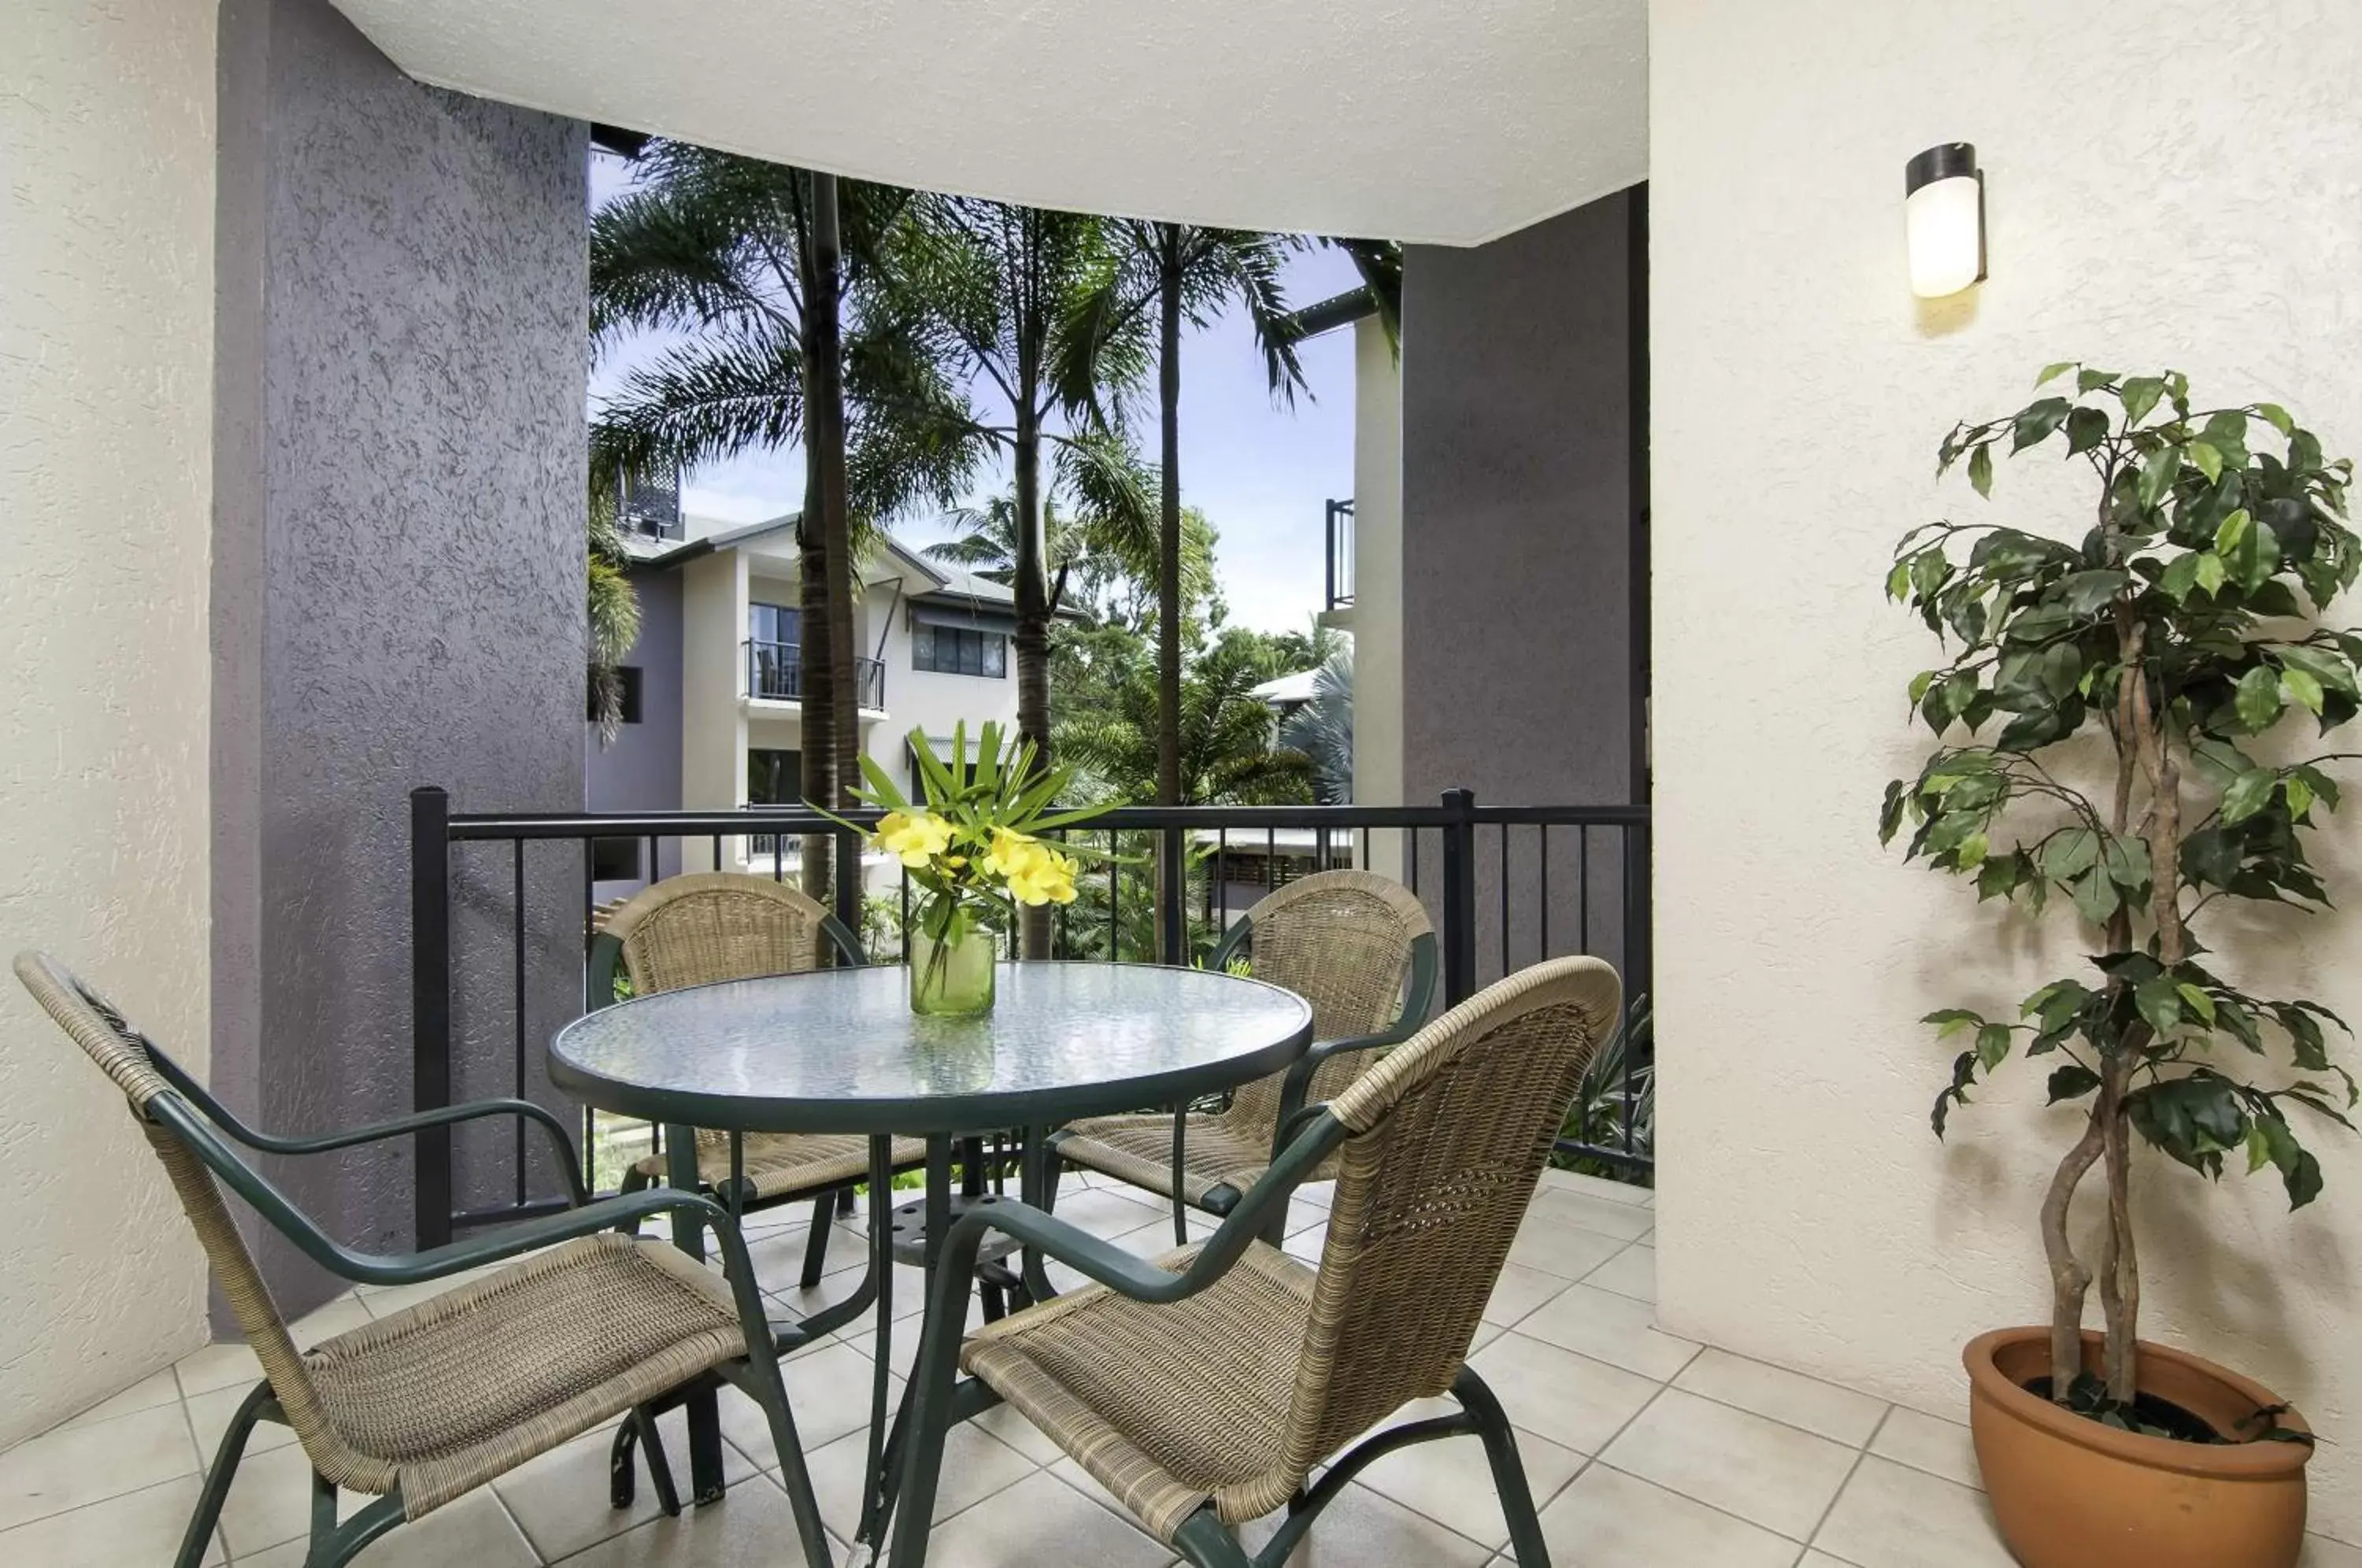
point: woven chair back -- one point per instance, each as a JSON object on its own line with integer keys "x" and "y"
{"x": 1448, "y": 1136}
{"x": 710, "y": 926}
{"x": 1342, "y": 940}
{"x": 129, "y": 1057}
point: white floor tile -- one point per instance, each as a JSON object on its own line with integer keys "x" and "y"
{"x": 1890, "y": 1516}
{"x": 1769, "y": 1474}
{"x": 2319, "y": 1551}
{"x": 217, "y": 1366}
{"x": 751, "y": 1527}
{"x": 1570, "y": 1399}
{"x": 475, "y": 1532}
{"x": 1365, "y": 1527}
{"x": 141, "y": 1526}
{"x": 1568, "y": 1252}
{"x": 1004, "y": 1422}
{"x": 1557, "y": 1206}
{"x": 559, "y": 1500}
{"x": 1599, "y": 1187}
{"x": 1632, "y": 1272}
{"x": 343, "y": 1315}
{"x": 156, "y": 1389}
{"x": 1041, "y": 1519}
{"x": 1610, "y": 1327}
{"x": 976, "y": 1465}
{"x": 828, "y": 1394}
{"x": 209, "y": 1416}
{"x": 1609, "y": 1519}
{"x": 1925, "y": 1443}
{"x": 1518, "y": 1292}
{"x": 1838, "y": 1414}
{"x": 1450, "y": 1482}
{"x": 74, "y": 1466}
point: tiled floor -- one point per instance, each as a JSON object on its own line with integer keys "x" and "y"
{"x": 1647, "y": 1450}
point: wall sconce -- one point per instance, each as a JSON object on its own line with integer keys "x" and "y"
{"x": 1944, "y": 215}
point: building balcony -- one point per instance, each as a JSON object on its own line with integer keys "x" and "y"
{"x": 775, "y": 673}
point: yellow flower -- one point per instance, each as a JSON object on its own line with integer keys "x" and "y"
{"x": 1046, "y": 877}
{"x": 915, "y": 837}
{"x": 1011, "y": 851}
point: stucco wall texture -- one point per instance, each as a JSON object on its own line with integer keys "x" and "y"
{"x": 408, "y": 481}
{"x": 105, "y": 335}
{"x": 2167, "y": 186}
{"x": 1517, "y": 403}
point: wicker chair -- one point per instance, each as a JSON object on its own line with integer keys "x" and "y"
{"x": 711, "y": 926}
{"x": 424, "y": 1405}
{"x": 1359, "y": 948}
{"x": 1204, "y": 1388}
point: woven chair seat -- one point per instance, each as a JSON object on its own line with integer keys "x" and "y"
{"x": 1215, "y": 1152}
{"x": 1166, "y": 1406}
{"x": 447, "y": 1395}
{"x": 788, "y": 1165}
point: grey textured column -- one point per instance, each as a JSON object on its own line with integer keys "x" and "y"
{"x": 1523, "y": 554}
{"x": 397, "y": 579}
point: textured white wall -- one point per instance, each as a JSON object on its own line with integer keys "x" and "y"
{"x": 106, "y": 132}
{"x": 2169, "y": 183}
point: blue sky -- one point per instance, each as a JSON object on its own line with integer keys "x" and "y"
{"x": 1260, "y": 473}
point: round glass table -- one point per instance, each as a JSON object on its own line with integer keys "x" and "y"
{"x": 840, "y": 1050}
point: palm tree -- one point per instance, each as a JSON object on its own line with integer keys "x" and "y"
{"x": 1323, "y": 729}
{"x": 1087, "y": 551}
{"x": 1186, "y": 273}
{"x": 1008, "y": 288}
{"x": 762, "y": 265}
{"x": 1228, "y": 752}
{"x": 612, "y": 611}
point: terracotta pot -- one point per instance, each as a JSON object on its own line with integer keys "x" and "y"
{"x": 2069, "y": 1493}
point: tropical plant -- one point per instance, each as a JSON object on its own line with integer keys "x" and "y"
{"x": 1228, "y": 750}
{"x": 774, "y": 276}
{"x": 971, "y": 845}
{"x": 610, "y": 610}
{"x": 2173, "y": 635}
{"x": 1092, "y": 554}
{"x": 1615, "y": 1108}
{"x": 1184, "y": 273}
{"x": 1005, "y": 289}
{"x": 1323, "y": 729}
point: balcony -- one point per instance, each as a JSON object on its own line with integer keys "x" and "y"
{"x": 775, "y": 673}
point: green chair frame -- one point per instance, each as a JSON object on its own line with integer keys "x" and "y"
{"x": 1223, "y": 1198}
{"x": 198, "y": 1121}
{"x": 940, "y": 1400}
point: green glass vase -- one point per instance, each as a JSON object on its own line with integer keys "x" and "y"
{"x": 952, "y": 977}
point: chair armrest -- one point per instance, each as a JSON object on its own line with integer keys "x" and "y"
{"x": 436, "y": 1263}
{"x": 440, "y": 1116}
{"x": 847, "y": 945}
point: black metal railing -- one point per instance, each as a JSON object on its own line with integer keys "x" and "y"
{"x": 503, "y": 907}
{"x": 775, "y": 671}
{"x": 1339, "y": 532}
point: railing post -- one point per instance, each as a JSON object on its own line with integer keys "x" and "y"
{"x": 1173, "y": 903}
{"x": 430, "y": 1007}
{"x": 1459, "y": 896}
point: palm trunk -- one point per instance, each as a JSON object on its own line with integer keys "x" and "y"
{"x": 824, "y": 437}
{"x": 1032, "y": 593}
{"x": 817, "y": 742}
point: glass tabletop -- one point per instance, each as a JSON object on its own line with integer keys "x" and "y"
{"x": 840, "y": 1050}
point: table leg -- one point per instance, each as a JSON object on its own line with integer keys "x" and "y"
{"x": 1037, "y": 1186}
{"x": 703, "y": 1414}
{"x": 881, "y": 1266}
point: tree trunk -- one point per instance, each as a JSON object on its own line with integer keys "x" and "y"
{"x": 1172, "y": 920}
{"x": 824, "y": 437}
{"x": 817, "y": 742}
{"x": 2069, "y": 1279}
{"x": 1032, "y": 588}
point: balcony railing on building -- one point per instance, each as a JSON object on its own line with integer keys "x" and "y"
{"x": 1507, "y": 886}
{"x": 775, "y": 673}
{"x": 649, "y": 505}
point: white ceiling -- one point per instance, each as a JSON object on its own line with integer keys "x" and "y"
{"x": 1444, "y": 121}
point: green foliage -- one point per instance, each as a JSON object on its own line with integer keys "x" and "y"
{"x": 2182, "y": 631}
{"x": 612, "y": 609}
{"x": 1619, "y": 1082}
{"x": 1230, "y": 751}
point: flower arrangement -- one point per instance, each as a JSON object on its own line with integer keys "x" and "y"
{"x": 973, "y": 847}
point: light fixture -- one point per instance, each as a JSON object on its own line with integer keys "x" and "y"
{"x": 1944, "y": 215}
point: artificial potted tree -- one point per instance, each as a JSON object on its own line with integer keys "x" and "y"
{"x": 2109, "y": 749}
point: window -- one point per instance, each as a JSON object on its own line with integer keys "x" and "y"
{"x": 627, "y": 678}
{"x": 616, "y": 860}
{"x": 958, "y": 650}
{"x": 775, "y": 624}
{"x": 774, "y": 777}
